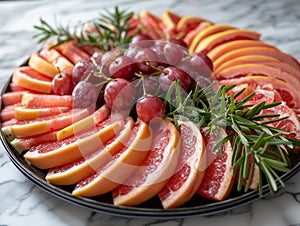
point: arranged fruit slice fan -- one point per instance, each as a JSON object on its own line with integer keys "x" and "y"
{"x": 108, "y": 120}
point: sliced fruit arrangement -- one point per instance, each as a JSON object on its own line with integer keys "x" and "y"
{"x": 137, "y": 106}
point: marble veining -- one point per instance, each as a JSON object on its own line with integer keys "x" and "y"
{"x": 22, "y": 203}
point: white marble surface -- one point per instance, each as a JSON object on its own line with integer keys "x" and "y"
{"x": 22, "y": 203}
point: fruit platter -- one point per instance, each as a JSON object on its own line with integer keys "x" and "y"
{"x": 143, "y": 115}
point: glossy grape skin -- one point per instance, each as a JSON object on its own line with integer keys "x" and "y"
{"x": 84, "y": 95}
{"x": 174, "y": 53}
{"x": 122, "y": 67}
{"x": 62, "y": 84}
{"x": 80, "y": 70}
{"x": 119, "y": 94}
{"x": 141, "y": 40}
{"x": 146, "y": 60}
{"x": 110, "y": 56}
{"x": 171, "y": 74}
{"x": 149, "y": 107}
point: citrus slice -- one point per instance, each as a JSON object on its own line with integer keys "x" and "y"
{"x": 30, "y": 79}
{"x": 22, "y": 113}
{"x": 226, "y": 47}
{"x": 189, "y": 37}
{"x": 170, "y": 19}
{"x": 214, "y": 40}
{"x": 46, "y": 124}
{"x": 258, "y": 69}
{"x": 218, "y": 177}
{"x": 56, "y": 59}
{"x": 121, "y": 166}
{"x": 151, "y": 25}
{"x": 84, "y": 167}
{"x": 185, "y": 182}
{"x": 44, "y": 100}
{"x": 289, "y": 93}
{"x": 152, "y": 175}
{"x": 71, "y": 52}
{"x": 57, "y": 153}
{"x": 11, "y": 98}
{"x": 213, "y": 29}
{"x": 188, "y": 23}
{"x": 257, "y": 50}
{"x": 98, "y": 116}
{"x": 42, "y": 66}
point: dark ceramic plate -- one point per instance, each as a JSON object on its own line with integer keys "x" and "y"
{"x": 197, "y": 206}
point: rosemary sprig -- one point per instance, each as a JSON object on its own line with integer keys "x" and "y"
{"x": 257, "y": 145}
{"x": 111, "y": 29}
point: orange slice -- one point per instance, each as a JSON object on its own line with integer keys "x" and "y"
{"x": 152, "y": 175}
{"x": 185, "y": 182}
{"x": 222, "y": 49}
{"x": 213, "y": 29}
{"x": 57, "y": 153}
{"x": 30, "y": 79}
{"x": 189, "y": 37}
{"x": 84, "y": 167}
{"x": 42, "y": 66}
{"x": 213, "y": 40}
{"x": 122, "y": 165}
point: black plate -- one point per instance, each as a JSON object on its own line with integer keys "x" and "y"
{"x": 197, "y": 206}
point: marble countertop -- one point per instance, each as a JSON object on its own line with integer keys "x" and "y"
{"x": 23, "y": 203}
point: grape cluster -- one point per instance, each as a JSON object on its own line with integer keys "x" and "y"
{"x": 137, "y": 74}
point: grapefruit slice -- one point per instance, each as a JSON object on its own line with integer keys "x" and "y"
{"x": 188, "y": 23}
{"x": 71, "y": 52}
{"x": 185, "y": 182}
{"x": 151, "y": 25}
{"x": 218, "y": 177}
{"x": 222, "y": 49}
{"x": 98, "y": 116}
{"x": 257, "y": 50}
{"x": 23, "y": 144}
{"x": 43, "y": 100}
{"x": 76, "y": 171}
{"x": 213, "y": 40}
{"x": 258, "y": 69}
{"x": 42, "y": 125}
{"x": 56, "y": 59}
{"x": 122, "y": 165}
{"x": 189, "y": 37}
{"x": 7, "y": 112}
{"x": 213, "y": 29}
{"x": 260, "y": 59}
{"x": 11, "y": 98}
{"x": 30, "y": 79}
{"x": 170, "y": 20}
{"x": 152, "y": 175}
{"x": 289, "y": 93}
{"x": 57, "y": 153}
{"x": 42, "y": 66}
{"x": 22, "y": 113}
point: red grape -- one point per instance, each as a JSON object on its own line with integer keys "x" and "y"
{"x": 84, "y": 95}
{"x": 171, "y": 74}
{"x": 62, "y": 84}
{"x": 146, "y": 59}
{"x": 149, "y": 107}
{"x": 142, "y": 40}
{"x": 122, "y": 67}
{"x": 174, "y": 53}
{"x": 119, "y": 94}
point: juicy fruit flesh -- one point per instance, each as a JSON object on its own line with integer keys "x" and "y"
{"x": 156, "y": 156}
